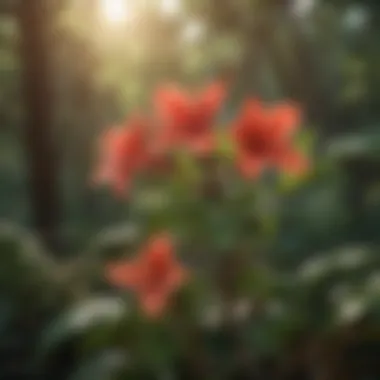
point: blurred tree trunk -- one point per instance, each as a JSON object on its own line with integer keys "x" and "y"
{"x": 34, "y": 17}
{"x": 86, "y": 100}
{"x": 312, "y": 84}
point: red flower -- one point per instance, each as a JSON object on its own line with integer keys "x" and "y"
{"x": 263, "y": 137}
{"x": 154, "y": 275}
{"x": 187, "y": 120}
{"x": 123, "y": 152}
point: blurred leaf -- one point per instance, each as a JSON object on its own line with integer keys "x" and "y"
{"x": 304, "y": 142}
{"x": 331, "y": 285}
{"x": 306, "y": 139}
{"x": 365, "y": 144}
{"x": 263, "y": 336}
{"x": 113, "y": 242}
{"x": 346, "y": 261}
{"x": 350, "y": 307}
{"x": 25, "y": 267}
{"x": 225, "y": 144}
{"x": 102, "y": 367}
{"x": 188, "y": 170}
{"x": 81, "y": 319}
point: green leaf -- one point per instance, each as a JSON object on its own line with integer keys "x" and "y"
{"x": 305, "y": 140}
{"x": 81, "y": 319}
{"x": 25, "y": 268}
{"x": 264, "y": 335}
{"x": 350, "y": 307}
{"x": 365, "y": 144}
{"x": 101, "y": 367}
{"x": 188, "y": 170}
{"x": 225, "y": 145}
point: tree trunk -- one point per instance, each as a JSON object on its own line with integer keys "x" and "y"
{"x": 34, "y": 17}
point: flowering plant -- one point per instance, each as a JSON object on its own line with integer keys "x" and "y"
{"x": 182, "y": 156}
{"x": 203, "y": 199}
{"x": 219, "y": 276}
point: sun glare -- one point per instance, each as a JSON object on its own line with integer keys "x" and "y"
{"x": 115, "y": 11}
{"x": 170, "y": 7}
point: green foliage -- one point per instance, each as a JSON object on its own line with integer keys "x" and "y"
{"x": 306, "y": 249}
{"x": 88, "y": 318}
{"x": 101, "y": 367}
{"x": 25, "y": 269}
{"x": 357, "y": 146}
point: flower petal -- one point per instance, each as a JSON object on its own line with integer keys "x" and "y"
{"x": 153, "y": 304}
{"x": 159, "y": 248}
{"x": 250, "y": 167}
{"x": 172, "y": 105}
{"x": 252, "y": 111}
{"x": 123, "y": 151}
{"x": 203, "y": 144}
{"x": 285, "y": 119}
{"x": 123, "y": 274}
{"x": 121, "y": 186}
{"x": 154, "y": 301}
{"x": 293, "y": 162}
{"x": 212, "y": 97}
{"x": 176, "y": 278}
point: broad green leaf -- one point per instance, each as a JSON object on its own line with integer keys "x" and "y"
{"x": 81, "y": 319}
